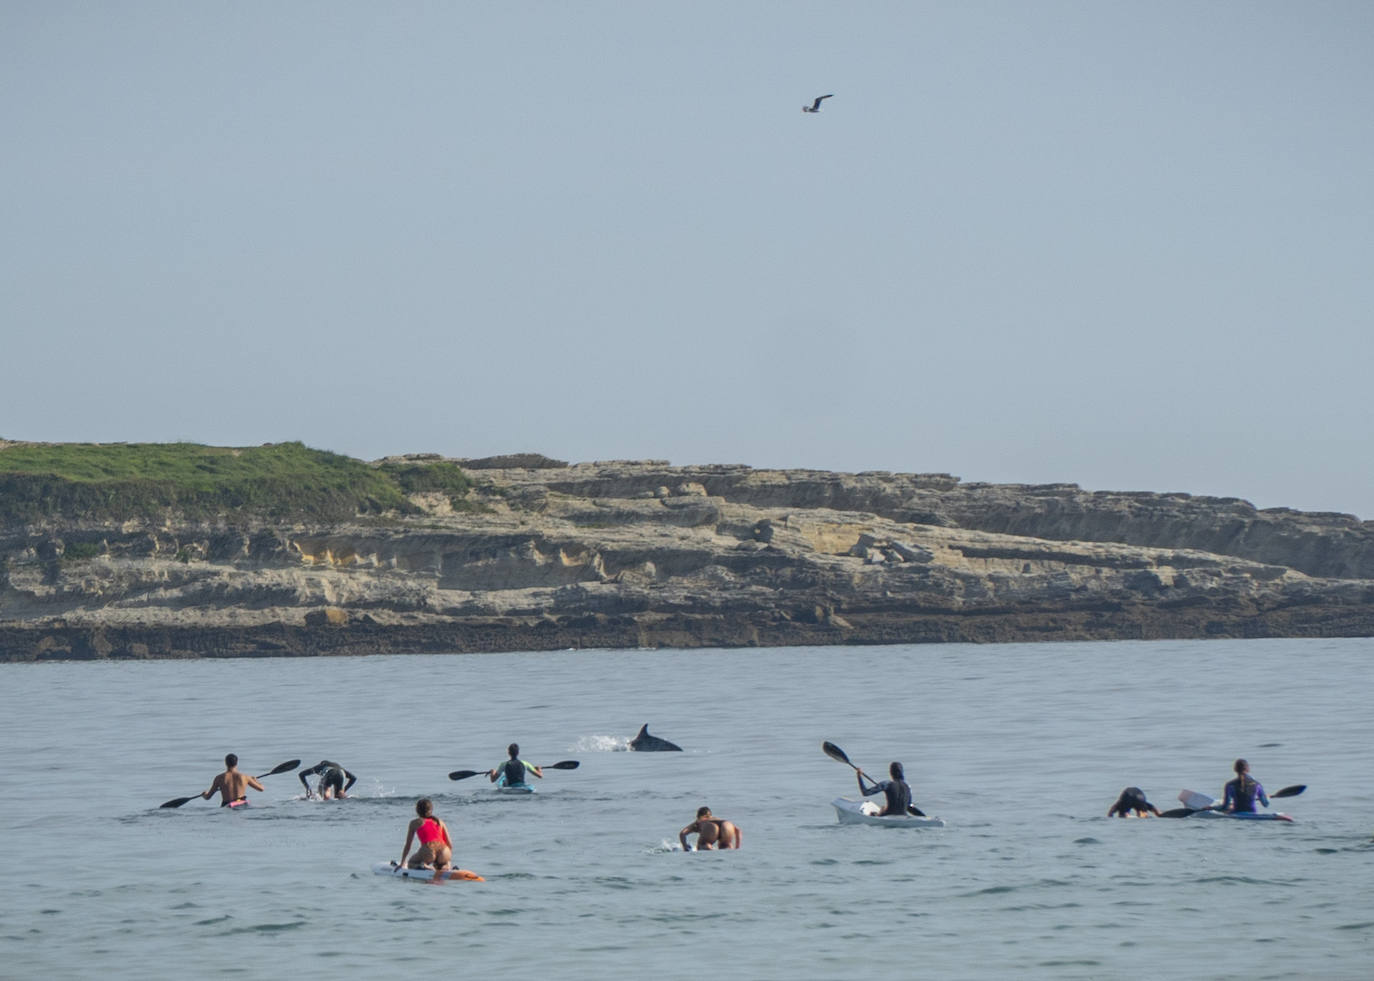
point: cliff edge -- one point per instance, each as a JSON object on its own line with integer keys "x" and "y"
{"x": 545, "y": 556}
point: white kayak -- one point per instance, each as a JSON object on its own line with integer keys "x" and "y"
{"x": 866, "y": 812}
{"x": 1206, "y": 807}
{"x": 427, "y": 875}
{"x": 1243, "y": 816}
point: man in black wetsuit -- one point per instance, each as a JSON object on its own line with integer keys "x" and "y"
{"x": 1132, "y": 801}
{"x": 331, "y": 780}
{"x": 896, "y": 790}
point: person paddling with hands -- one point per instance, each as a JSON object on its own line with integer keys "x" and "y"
{"x": 331, "y": 782}
{"x": 896, "y": 789}
{"x": 712, "y": 833}
{"x": 1241, "y": 793}
{"x": 232, "y": 785}
{"x": 1132, "y": 803}
{"x": 435, "y": 849}
{"x": 512, "y": 772}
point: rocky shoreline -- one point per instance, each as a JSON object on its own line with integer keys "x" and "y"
{"x": 641, "y": 554}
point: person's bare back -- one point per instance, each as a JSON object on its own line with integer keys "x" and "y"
{"x": 712, "y": 833}
{"x": 231, "y": 784}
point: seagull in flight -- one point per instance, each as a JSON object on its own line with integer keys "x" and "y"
{"x": 816, "y": 106}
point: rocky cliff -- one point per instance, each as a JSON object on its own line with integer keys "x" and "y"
{"x": 644, "y": 554}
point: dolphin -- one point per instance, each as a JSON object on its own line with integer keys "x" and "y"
{"x": 645, "y": 743}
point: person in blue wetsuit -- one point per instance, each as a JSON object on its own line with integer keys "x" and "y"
{"x": 1240, "y": 794}
{"x": 896, "y": 790}
{"x": 512, "y": 772}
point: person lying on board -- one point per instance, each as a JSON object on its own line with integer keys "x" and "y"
{"x": 435, "y": 849}
{"x": 712, "y": 832}
{"x": 896, "y": 790}
{"x": 1132, "y": 803}
{"x": 512, "y": 772}
{"x": 1239, "y": 796}
{"x": 331, "y": 780}
{"x": 231, "y": 784}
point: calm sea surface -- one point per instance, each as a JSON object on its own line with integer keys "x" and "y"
{"x": 1021, "y": 748}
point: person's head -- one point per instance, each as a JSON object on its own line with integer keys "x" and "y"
{"x": 424, "y": 807}
{"x": 894, "y": 770}
{"x": 231, "y": 761}
{"x": 703, "y": 812}
{"x": 514, "y": 750}
{"x": 1241, "y": 768}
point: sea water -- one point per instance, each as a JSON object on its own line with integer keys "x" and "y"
{"x": 1021, "y": 748}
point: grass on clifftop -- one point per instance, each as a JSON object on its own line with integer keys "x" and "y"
{"x": 277, "y": 481}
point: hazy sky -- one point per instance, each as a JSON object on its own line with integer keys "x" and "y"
{"x": 1126, "y": 245}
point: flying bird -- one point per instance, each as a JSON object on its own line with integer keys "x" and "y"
{"x": 816, "y": 106}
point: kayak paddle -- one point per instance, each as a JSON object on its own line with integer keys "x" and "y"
{"x": 835, "y": 753}
{"x": 560, "y": 765}
{"x": 279, "y": 768}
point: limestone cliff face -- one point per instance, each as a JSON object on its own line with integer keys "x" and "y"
{"x": 644, "y": 554}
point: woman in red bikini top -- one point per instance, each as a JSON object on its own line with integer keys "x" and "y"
{"x": 435, "y": 849}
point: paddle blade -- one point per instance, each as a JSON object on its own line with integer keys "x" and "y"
{"x": 915, "y": 811}
{"x": 464, "y": 774}
{"x": 178, "y": 801}
{"x": 562, "y": 765}
{"x": 281, "y": 768}
{"x": 1177, "y": 812}
{"x": 1292, "y": 791}
{"x": 1198, "y": 802}
{"x": 835, "y": 753}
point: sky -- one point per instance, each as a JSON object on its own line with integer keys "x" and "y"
{"x": 1123, "y": 245}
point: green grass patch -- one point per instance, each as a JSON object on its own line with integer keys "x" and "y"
{"x": 278, "y": 481}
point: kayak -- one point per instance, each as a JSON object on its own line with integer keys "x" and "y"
{"x": 866, "y": 812}
{"x": 1244, "y": 816}
{"x": 1203, "y": 807}
{"x": 424, "y": 875}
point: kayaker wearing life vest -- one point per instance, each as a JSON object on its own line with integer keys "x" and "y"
{"x": 1241, "y": 792}
{"x": 712, "y": 832}
{"x": 896, "y": 790}
{"x": 1132, "y": 799}
{"x": 512, "y": 772}
{"x": 331, "y": 780}
{"x": 231, "y": 784}
{"x": 436, "y": 848}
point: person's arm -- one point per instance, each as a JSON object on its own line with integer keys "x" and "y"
{"x": 1260, "y": 794}
{"x": 410, "y": 838}
{"x": 491, "y": 774}
{"x": 682, "y": 835}
{"x": 876, "y": 786}
{"x": 534, "y": 769}
{"x": 306, "y": 784}
{"x": 253, "y": 782}
{"x": 215, "y": 785}
{"x": 443, "y": 828}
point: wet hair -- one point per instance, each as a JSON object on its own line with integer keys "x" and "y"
{"x": 231, "y": 761}
{"x": 894, "y": 770}
{"x": 703, "y": 811}
{"x": 514, "y": 750}
{"x": 424, "y": 807}
{"x": 1241, "y": 766}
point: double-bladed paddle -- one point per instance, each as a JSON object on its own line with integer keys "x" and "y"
{"x": 279, "y": 768}
{"x": 1201, "y": 802}
{"x": 561, "y": 765}
{"x": 835, "y": 753}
